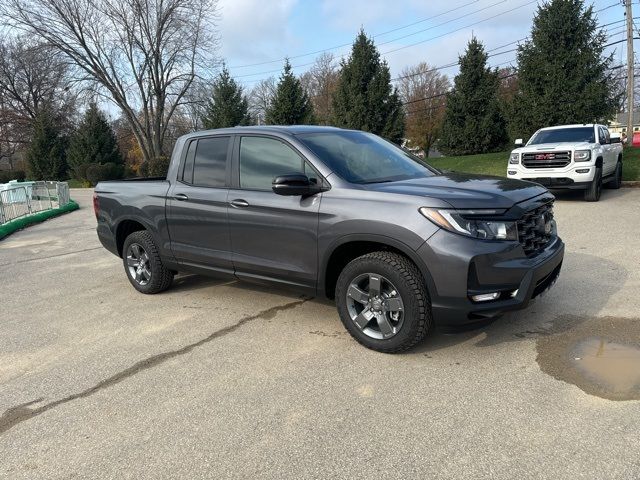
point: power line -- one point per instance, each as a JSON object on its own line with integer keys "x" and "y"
{"x": 413, "y": 44}
{"x": 607, "y": 8}
{"x": 267, "y": 62}
{"x": 461, "y": 28}
{"x": 398, "y": 38}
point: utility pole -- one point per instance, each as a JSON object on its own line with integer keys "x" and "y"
{"x": 630, "y": 79}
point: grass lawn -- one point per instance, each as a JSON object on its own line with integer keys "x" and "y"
{"x": 496, "y": 163}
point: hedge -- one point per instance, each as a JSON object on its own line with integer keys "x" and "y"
{"x": 20, "y": 223}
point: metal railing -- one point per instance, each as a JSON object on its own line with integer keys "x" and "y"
{"x": 33, "y": 197}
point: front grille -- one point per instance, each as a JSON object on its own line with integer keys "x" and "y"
{"x": 532, "y": 232}
{"x": 546, "y": 159}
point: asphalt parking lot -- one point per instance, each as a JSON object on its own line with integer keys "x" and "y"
{"x": 225, "y": 380}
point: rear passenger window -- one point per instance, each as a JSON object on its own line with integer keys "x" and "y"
{"x": 187, "y": 168}
{"x": 262, "y": 159}
{"x": 210, "y": 165}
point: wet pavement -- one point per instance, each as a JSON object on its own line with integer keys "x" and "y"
{"x": 601, "y": 356}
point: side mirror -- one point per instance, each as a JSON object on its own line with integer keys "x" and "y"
{"x": 519, "y": 142}
{"x": 294, "y": 184}
{"x": 616, "y": 139}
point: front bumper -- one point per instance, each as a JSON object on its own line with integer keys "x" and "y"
{"x": 462, "y": 266}
{"x": 574, "y": 176}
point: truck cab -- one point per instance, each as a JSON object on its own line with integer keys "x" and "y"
{"x": 569, "y": 157}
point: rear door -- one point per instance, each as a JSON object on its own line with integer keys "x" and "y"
{"x": 197, "y": 205}
{"x": 607, "y": 150}
{"x": 273, "y": 237}
{"x": 612, "y": 154}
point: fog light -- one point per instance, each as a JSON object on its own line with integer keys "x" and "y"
{"x": 485, "y": 297}
{"x": 511, "y": 172}
{"x": 514, "y": 293}
{"x": 582, "y": 170}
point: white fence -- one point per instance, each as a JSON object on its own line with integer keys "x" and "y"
{"x": 24, "y": 198}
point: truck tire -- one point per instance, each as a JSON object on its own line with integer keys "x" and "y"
{"x": 383, "y": 302}
{"x": 593, "y": 191}
{"x": 143, "y": 264}
{"x": 616, "y": 182}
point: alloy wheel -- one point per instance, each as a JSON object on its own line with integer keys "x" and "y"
{"x": 138, "y": 264}
{"x": 375, "y": 306}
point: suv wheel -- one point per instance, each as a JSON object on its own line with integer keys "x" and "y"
{"x": 142, "y": 264}
{"x": 592, "y": 193}
{"x": 616, "y": 183}
{"x": 383, "y": 302}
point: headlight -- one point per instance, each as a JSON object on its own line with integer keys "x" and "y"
{"x": 463, "y": 222}
{"x": 514, "y": 158}
{"x": 582, "y": 155}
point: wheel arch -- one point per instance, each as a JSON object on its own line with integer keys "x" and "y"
{"x": 350, "y": 247}
{"x": 126, "y": 227}
{"x": 599, "y": 162}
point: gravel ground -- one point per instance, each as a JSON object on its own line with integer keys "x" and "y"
{"x": 217, "y": 379}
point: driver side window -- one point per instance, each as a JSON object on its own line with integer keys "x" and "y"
{"x": 262, "y": 159}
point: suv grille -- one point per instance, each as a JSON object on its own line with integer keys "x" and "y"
{"x": 533, "y": 232}
{"x": 546, "y": 159}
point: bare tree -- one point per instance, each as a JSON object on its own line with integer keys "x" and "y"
{"x": 320, "y": 82}
{"x": 33, "y": 76}
{"x": 423, "y": 90}
{"x": 260, "y": 98}
{"x": 144, "y": 54}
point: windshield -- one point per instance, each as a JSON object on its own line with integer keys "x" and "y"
{"x": 360, "y": 157}
{"x": 559, "y": 135}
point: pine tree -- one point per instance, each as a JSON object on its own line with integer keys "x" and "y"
{"x": 93, "y": 142}
{"x": 563, "y": 75}
{"x": 290, "y": 104}
{"x": 364, "y": 98}
{"x": 474, "y": 122}
{"x": 46, "y": 152}
{"x": 228, "y": 106}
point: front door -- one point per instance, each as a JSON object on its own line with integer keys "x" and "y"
{"x": 197, "y": 206}
{"x": 273, "y": 237}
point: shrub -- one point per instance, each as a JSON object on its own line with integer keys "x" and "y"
{"x": 158, "y": 167}
{"x": 100, "y": 172}
{"x": 7, "y": 175}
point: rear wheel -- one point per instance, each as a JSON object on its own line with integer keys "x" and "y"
{"x": 143, "y": 265}
{"x": 592, "y": 193}
{"x": 383, "y": 302}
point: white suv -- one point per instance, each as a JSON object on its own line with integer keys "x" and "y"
{"x": 569, "y": 157}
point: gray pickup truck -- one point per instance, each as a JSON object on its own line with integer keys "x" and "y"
{"x": 399, "y": 245}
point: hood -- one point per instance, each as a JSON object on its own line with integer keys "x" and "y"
{"x": 550, "y": 147}
{"x": 464, "y": 190}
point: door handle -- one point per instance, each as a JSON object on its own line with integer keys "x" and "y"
{"x": 180, "y": 196}
{"x": 239, "y": 203}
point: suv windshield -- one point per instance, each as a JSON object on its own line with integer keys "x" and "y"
{"x": 360, "y": 157}
{"x": 559, "y": 135}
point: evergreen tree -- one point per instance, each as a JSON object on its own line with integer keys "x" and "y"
{"x": 46, "y": 152}
{"x": 93, "y": 142}
{"x": 227, "y": 107}
{"x": 364, "y": 98}
{"x": 473, "y": 121}
{"x": 290, "y": 104}
{"x": 563, "y": 75}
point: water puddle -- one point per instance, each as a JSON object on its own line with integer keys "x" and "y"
{"x": 599, "y": 355}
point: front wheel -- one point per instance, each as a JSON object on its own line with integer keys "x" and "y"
{"x": 593, "y": 191}
{"x": 616, "y": 183}
{"x": 143, "y": 264}
{"x": 383, "y": 302}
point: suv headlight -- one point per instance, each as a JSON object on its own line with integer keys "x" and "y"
{"x": 464, "y": 223}
{"x": 582, "y": 155}
{"x": 514, "y": 158}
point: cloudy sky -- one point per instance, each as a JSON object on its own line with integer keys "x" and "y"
{"x": 257, "y": 34}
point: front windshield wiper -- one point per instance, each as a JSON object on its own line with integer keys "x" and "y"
{"x": 376, "y": 181}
